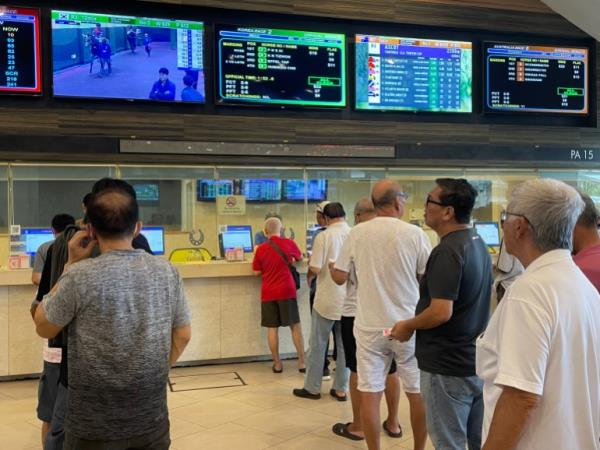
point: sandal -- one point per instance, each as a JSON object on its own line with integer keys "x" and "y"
{"x": 390, "y": 433}
{"x": 339, "y": 398}
{"x": 277, "y": 370}
{"x": 341, "y": 429}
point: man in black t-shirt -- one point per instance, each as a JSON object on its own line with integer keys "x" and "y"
{"x": 453, "y": 309}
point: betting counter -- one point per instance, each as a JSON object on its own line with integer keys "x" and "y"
{"x": 224, "y": 299}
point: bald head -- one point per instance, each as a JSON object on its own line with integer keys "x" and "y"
{"x": 273, "y": 227}
{"x": 385, "y": 193}
{"x": 113, "y": 213}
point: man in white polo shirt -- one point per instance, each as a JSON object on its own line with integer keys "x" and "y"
{"x": 388, "y": 256}
{"x": 327, "y": 310}
{"x": 540, "y": 355}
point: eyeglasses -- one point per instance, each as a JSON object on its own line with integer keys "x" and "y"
{"x": 504, "y": 217}
{"x": 429, "y": 200}
{"x": 402, "y": 195}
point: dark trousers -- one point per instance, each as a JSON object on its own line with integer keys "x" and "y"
{"x": 56, "y": 435}
{"x": 157, "y": 440}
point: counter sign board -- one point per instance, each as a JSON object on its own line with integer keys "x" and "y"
{"x": 231, "y": 205}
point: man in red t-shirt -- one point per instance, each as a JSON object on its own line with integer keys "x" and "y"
{"x": 586, "y": 242}
{"x": 278, "y": 291}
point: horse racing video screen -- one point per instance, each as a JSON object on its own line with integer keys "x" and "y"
{"x": 126, "y": 57}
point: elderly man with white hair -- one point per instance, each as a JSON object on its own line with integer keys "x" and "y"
{"x": 273, "y": 260}
{"x": 540, "y": 355}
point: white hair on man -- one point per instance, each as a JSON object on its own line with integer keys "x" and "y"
{"x": 364, "y": 206}
{"x": 551, "y": 207}
{"x": 273, "y": 226}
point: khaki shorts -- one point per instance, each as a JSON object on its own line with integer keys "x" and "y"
{"x": 375, "y": 353}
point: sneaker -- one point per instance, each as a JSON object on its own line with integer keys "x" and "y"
{"x": 326, "y": 374}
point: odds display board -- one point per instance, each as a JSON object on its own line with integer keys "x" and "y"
{"x": 536, "y": 78}
{"x": 408, "y": 74}
{"x": 20, "y": 67}
{"x": 280, "y": 67}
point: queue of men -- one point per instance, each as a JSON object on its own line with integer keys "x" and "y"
{"x": 404, "y": 315}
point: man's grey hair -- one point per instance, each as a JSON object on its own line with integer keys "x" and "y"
{"x": 552, "y": 208}
{"x": 589, "y": 216}
{"x": 273, "y": 226}
{"x": 364, "y": 206}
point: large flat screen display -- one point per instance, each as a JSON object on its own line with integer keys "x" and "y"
{"x": 210, "y": 189}
{"x": 295, "y": 190}
{"x": 408, "y": 74}
{"x": 126, "y": 57}
{"x": 261, "y": 189}
{"x": 20, "y": 67}
{"x": 536, "y": 78}
{"x": 280, "y": 67}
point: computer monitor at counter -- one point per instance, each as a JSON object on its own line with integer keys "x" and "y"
{"x": 34, "y": 237}
{"x": 236, "y": 236}
{"x": 489, "y": 232}
{"x": 156, "y": 239}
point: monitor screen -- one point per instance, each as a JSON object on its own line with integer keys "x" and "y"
{"x": 489, "y": 232}
{"x": 210, "y": 189}
{"x": 20, "y": 67}
{"x": 316, "y": 190}
{"x": 126, "y": 57}
{"x": 536, "y": 78}
{"x": 237, "y": 236}
{"x": 280, "y": 67}
{"x": 408, "y": 74}
{"x": 156, "y": 239}
{"x": 34, "y": 237}
{"x": 147, "y": 192}
{"x": 261, "y": 190}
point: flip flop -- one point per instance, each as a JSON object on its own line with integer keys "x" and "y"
{"x": 339, "y": 398}
{"x": 341, "y": 429}
{"x": 389, "y": 433}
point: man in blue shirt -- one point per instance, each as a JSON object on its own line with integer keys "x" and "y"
{"x": 189, "y": 94}
{"x": 163, "y": 89}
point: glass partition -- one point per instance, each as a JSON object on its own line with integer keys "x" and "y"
{"x": 170, "y": 199}
{"x": 42, "y": 191}
{"x": 267, "y": 191}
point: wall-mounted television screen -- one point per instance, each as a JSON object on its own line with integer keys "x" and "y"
{"x": 408, "y": 74}
{"x": 126, "y": 57}
{"x": 280, "y": 67}
{"x": 20, "y": 67}
{"x": 147, "y": 192}
{"x": 294, "y": 190}
{"x": 261, "y": 190}
{"x": 536, "y": 78}
{"x": 210, "y": 189}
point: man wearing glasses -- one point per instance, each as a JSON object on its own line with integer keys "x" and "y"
{"x": 540, "y": 355}
{"x": 453, "y": 310}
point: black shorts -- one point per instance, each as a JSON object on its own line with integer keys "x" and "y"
{"x": 279, "y": 313}
{"x": 350, "y": 345}
{"x": 47, "y": 390}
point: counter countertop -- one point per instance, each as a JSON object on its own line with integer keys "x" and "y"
{"x": 209, "y": 269}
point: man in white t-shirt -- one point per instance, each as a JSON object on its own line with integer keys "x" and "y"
{"x": 388, "y": 256}
{"x": 540, "y": 355}
{"x": 327, "y": 309}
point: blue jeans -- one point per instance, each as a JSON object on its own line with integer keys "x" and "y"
{"x": 320, "y": 328}
{"x": 454, "y": 409}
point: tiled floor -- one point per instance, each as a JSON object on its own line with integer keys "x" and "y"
{"x": 261, "y": 415}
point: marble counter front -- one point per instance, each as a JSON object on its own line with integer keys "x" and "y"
{"x": 224, "y": 299}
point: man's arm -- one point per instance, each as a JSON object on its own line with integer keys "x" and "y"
{"x": 36, "y": 277}
{"x": 338, "y": 276}
{"x": 437, "y": 313}
{"x": 512, "y": 413}
{"x": 179, "y": 340}
{"x": 43, "y": 327}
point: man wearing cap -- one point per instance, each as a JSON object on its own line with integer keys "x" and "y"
{"x": 327, "y": 310}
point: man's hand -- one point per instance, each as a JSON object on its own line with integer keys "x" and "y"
{"x": 402, "y": 331}
{"x": 80, "y": 247}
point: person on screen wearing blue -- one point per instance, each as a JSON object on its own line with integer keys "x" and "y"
{"x": 163, "y": 89}
{"x": 147, "y": 42}
{"x": 189, "y": 94}
{"x": 105, "y": 53}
